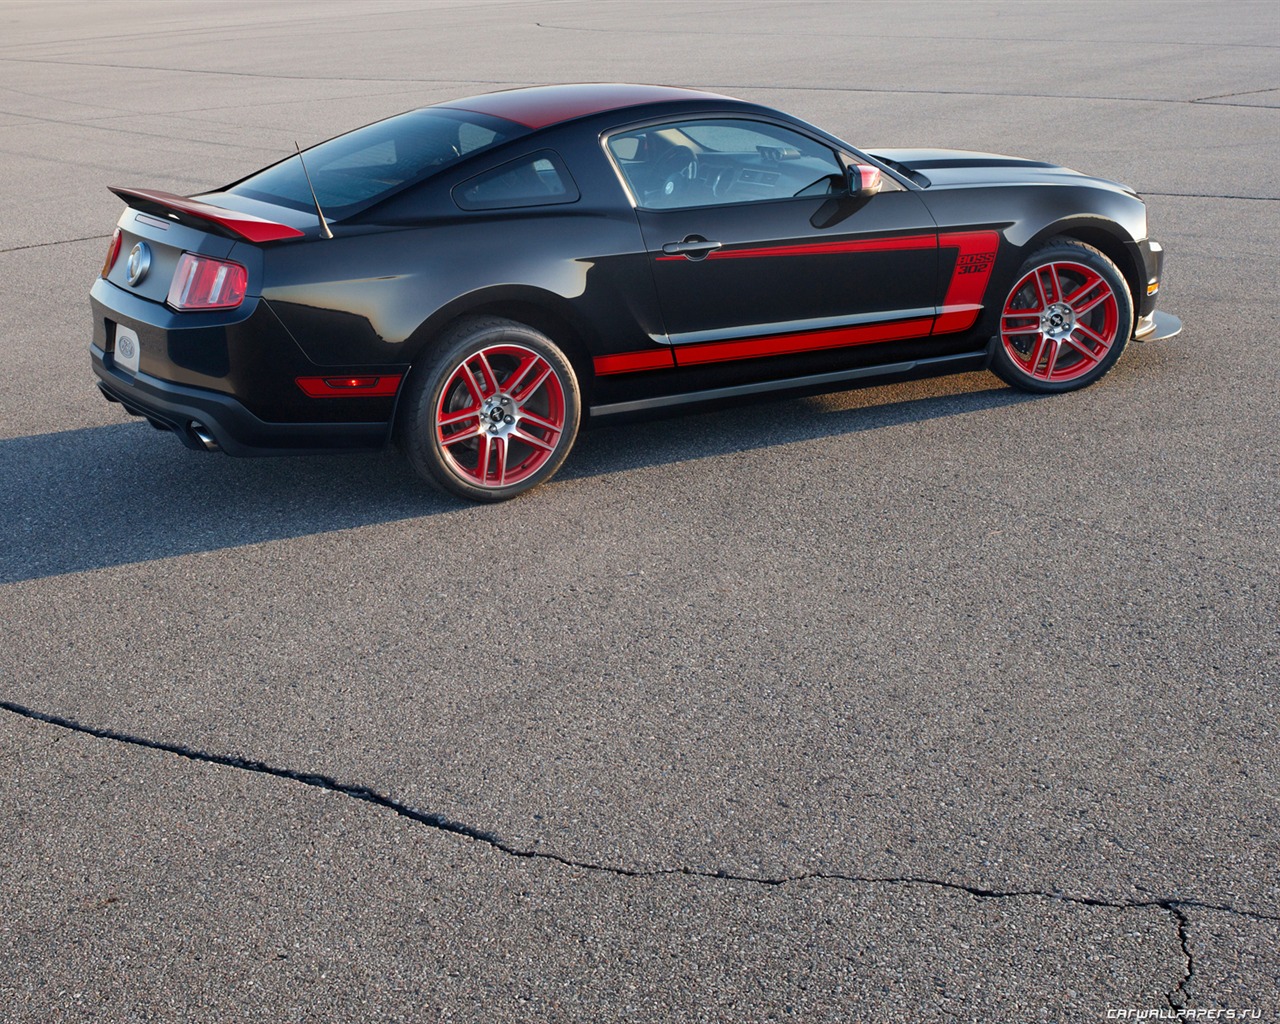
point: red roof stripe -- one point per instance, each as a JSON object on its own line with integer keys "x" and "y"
{"x": 544, "y": 105}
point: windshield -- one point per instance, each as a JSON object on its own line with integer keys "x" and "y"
{"x": 357, "y": 169}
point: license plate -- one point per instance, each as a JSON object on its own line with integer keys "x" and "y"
{"x": 127, "y": 349}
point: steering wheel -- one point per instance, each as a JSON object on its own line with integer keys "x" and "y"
{"x": 724, "y": 181}
{"x": 675, "y": 170}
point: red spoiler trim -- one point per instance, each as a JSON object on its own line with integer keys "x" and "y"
{"x": 241, "y": 225}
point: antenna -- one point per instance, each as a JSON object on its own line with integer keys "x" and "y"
{"x": 324, "y": 224}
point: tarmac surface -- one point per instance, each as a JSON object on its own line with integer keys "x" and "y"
{"x": 930, "y": 702}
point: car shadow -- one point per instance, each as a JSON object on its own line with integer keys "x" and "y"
{"x": 767, "y": 422}
{"x": 105, "y": 496}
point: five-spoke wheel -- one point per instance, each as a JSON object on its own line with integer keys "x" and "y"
{"x": 1066, "y": 319}
{"x": 495, "y": 414}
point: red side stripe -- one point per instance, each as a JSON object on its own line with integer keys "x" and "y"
{"x": 634, "y": 362}
{"x": 898, "y": 244}
{"x": 960, "y": 308}
{"x": 809, "y": 341}
{"x": 974, "y": 262}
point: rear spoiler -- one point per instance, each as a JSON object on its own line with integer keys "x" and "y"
{"x": 230, "y": 223}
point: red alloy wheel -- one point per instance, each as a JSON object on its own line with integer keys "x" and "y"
{"x": 1060, "y": 321}
{"x": 500, "y": 415}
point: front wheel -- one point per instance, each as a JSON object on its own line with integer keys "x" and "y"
{"x": 494, "y": 414}
{"x": 1066, "y": 320}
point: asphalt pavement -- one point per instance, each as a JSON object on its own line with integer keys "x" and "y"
{"x": 926, "y": 702}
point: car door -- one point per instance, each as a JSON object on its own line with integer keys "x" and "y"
{"x": 758, "y": 251}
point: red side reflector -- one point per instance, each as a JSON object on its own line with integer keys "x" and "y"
{"x": 113, "y": 252}
{"x": 244, "y": 225}
{"x": 350, "y": 387}
{"x": 200, "y": 282}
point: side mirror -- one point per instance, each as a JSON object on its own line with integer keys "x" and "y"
{"x": 864, "y": 180}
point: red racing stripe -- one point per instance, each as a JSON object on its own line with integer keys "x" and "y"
{"x": 634, "y": 362}
{"x": 898, "y": 244}
{"x": 963, "y": 301}
{"x": 809, "y": 341}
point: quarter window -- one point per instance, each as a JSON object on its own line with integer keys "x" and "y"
{"x": 722, "y": 162}
{"x": 537, "y": 180}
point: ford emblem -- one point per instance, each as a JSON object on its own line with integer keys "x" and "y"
{"x": 139, "y": 262}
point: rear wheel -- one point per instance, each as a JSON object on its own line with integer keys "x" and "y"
{"x": 494, "y": 414}
{"x": 1066, "y": 320}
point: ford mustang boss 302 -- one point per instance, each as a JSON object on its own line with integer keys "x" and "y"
{"x": 477, "y": 278}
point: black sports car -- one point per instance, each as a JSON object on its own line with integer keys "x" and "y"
{"x": 474, "y": 277}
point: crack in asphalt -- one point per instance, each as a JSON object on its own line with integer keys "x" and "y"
{"x": 223, "y": 73}
{"x": 199, "y": 31}
{"x": 1207, "y": 101}
{"x": 1180, "y": 997}
{"x": 1210, "y": 195}
{"x": 60, "y": 241}
{"x": 120, "y": 130}
{"x": 720, "y": 31}
{"x": 409, "y": 80}
{"x": 1229, "y": 95}
{"x": 1177, "y": 997}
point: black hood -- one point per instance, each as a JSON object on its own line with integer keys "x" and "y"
{"x": 940, "y": 168}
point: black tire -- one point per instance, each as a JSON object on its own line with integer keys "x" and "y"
{"x": 491, "y": 412}
{"x": 1065, "y": 321}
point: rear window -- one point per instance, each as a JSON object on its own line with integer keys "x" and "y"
{"x": 357, "y": 169}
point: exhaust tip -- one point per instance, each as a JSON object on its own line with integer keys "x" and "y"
{"x": 203, "y": 435}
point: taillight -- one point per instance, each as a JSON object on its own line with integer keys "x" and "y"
{"x": 113, "y": 251}
{"x": 200, "y": 282}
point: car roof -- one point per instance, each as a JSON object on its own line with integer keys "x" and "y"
{"x": 544, "y": 105}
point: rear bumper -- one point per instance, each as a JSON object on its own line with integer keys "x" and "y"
{"x": 190, "y": 412}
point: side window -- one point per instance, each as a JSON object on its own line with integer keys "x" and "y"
{"x": 721, "y": 162}
{"x": 540, "y": 179}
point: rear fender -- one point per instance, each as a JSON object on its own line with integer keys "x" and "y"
{"x": 547, "y": 312}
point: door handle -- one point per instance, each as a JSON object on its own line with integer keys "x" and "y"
{"x": 692, "y": 248}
